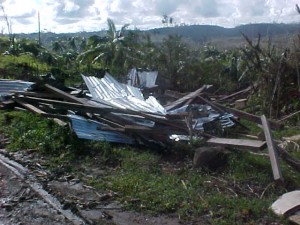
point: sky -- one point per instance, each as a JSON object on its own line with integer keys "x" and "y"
{"x": 65, "y": 16}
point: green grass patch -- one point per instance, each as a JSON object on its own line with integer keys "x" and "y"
{"x": 241, "y": 194}
{"x": 26, "y": 131}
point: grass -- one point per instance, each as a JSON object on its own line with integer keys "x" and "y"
{"x": 157, "y": 182}
{"x": 27, "y": 131}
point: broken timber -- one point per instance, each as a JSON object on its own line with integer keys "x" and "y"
{"x": 238, "y": 143}
{"x": 152, "y": 116}
{"x": 39, "y": 112}
{"x": 287, "y": 204}
{"x": 184, "y": 99}
{"x": 249, "y": 116}
{"x": 272, "y": 150}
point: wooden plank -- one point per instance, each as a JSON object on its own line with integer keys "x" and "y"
{"x": 239, "y": 143}
{"x": 105, "y": 112}
{"x": 249, "y": 116}
{"x": 36, "y": 94}
{"x": 272, "y": 150}
{"x": 236, "y": 94}
{"x": 39, "y": 112}
{"x": 64, "y": 95}
{"x": 219, "y": 109}
{"x": 71, "y": 105}
{"x": 287, "y": 204}
{"x": 28, "y": 106}
{"x": 152, "y": 116}
{"x": 181, "y": 101}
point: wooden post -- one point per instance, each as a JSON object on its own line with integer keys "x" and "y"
{"x": 272, "y": 150}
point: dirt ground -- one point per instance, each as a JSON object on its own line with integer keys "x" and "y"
{"x": 19, "y": 204}
{"x": 29, "y": 194}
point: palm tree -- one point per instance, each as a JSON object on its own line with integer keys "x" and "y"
{"x": 108, "y": 51}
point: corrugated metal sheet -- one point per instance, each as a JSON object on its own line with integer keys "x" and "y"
{"x": 91, "y": 130}
{"x": 142, "y": 79}
{"x": 9, "y": 86}
{"x": 212, "y": 115}
{"x": 109, "y": 91}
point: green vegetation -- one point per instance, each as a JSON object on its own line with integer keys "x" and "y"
{"x": 240, "y": 192}
{"x": 27, "y": 131}
{"x": 272, "y": 71}
{"x": 157, "y": 181}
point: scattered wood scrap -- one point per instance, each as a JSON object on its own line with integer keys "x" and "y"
{"x": 236, "y": 94}
{"x": 183, "y": 100}
{"x": 249, "y": 116}
{"x": 49, "y": 101}
{"x": 238, "y": 143}
{"x": 287, "y": 204}
{"x": 272, "y": 150}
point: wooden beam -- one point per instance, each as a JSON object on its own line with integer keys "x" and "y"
{"x": 272, "y": 150}
{"x": 185, "y": 98}
{"x": 37, "y": 94}
{"x": 236, "y": 94}
{"x": 249, "y": 116}
{"x": 238, "y": 143}
{"x": 71, "y": 105}
{"x": 221, "y": 110}
{"x": 84, "y": 102}
{"x": 57, "y": 118}
{"x": 64, "y": 95}
{"x": 28, "y": 106}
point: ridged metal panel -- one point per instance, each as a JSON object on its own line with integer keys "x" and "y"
{"x": 223, "y": 119}
{"x": 10, "y": 86}
{"x": 91, "y": 130}
{"x": 121, "y": 96}
{"x": 142, "y": 79}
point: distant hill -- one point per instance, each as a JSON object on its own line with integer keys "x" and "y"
{"x": 195, "y": 33}
{"x": 204, "y": 33}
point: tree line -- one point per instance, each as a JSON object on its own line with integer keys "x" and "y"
{"x": 183, "y": 67}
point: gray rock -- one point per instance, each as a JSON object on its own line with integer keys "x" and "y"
{"x": 210, "y": 158}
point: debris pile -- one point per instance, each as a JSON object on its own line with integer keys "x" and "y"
{"x": 111, "y": 111}
{"x": 107, "y": 110}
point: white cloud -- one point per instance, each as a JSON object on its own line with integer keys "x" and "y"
{"x": 91, "y": 15}
{"x": 70, "y": 6}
